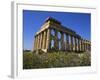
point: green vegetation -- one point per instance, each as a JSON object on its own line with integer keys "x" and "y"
{"x": 39, "y": 59}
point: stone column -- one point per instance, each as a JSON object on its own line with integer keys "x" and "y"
{"x": 85, "y": 45}
{"x": 44, "y": 39}
{"x": 67, "y": 42}
{"x": 48, "y": 41}
{"x": 89, "y": 47}
{"x": 62, "y": 41}
{"x": 40, "y": 40}
{"x": 78, "y": 44}
{"x": 71, "y": 42}
{"x": 75, "y": 43}
{"x": 81, "y": 45}
{"x": 56, "y": 40}
{"x": 37, "y": 43}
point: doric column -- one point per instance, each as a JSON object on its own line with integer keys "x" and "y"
{"x": 89, "y": 47}
{"x": 71, "y": 42}
{"x": 81, "y": 45}
{"x": 85, "y": 45}
{"x": 48, "y": 42}
{"x": 75, "y": 41}
{"x": 37, "y": 41}
{"x": 44, "y": 39}
{"x": 62, "y": 41}
{"x": 56, "y": 40}
{"x": 78, "y": 44}
{"x": 67, "y": 42}
{"x": 40, "y": 40}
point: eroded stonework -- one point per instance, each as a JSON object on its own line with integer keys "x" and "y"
{"x": 69, "y": 40}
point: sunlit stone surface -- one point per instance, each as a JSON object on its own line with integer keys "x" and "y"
{"x": 54, "y": 36}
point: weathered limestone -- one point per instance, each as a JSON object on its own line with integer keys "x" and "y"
{"x": 37, "y": 42}
{"x": 62, "y": 41}
{"x": 69, "y": 41}
{"x": 75, "y": 44}
{"x": 56, "y": 40}
{"x": 40, "y": 40}
{"x": 48, "y": 44}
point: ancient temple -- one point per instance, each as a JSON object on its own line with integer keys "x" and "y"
{"x": 54, "y": 36}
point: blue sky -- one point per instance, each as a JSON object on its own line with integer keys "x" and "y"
{"x": 33, "y": 20}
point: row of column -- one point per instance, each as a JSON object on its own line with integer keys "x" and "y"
{"x": 78, "y": 44}
{"x": 71, "y": 43}
{"x": 42, "y": 40}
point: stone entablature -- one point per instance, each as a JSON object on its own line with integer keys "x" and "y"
{"x": 69, "y": 40}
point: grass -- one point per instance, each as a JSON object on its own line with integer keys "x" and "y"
{"x": 32, "y": 60}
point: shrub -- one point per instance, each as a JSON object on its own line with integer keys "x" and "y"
{"x": 27, "y": 60}
{"x": 85, "y": 60}
{"x": 54, "y": 59}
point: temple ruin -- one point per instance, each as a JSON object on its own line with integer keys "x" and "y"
{"x": 54, "y": 36}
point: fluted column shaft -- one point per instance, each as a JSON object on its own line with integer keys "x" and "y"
{"x": 71, "y": 43}
{"x": 81, "y": 45}
{"x": 62, "y": 41}
{"x": 40, "y": 40}
{"x": 37, "y": 41}
{"x": 48, "y": 45}
{"x": 78, "y": 44}
{"x": 44, "y": 39}
{"x": 67, "y": 42}
{"x": 75, "y": 43}
{"x": 56, "y": 40}
{"x": 85, "y": 45}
